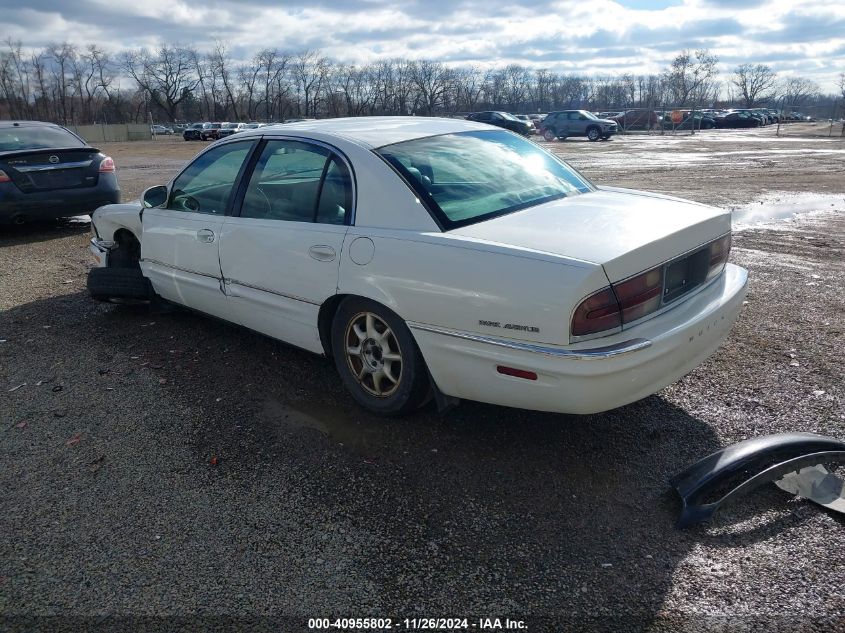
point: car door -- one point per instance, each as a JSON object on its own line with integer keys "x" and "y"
{"x": 179, "y": 243}
{"x": 578, "y": 124}
{"x": 563, "y": 124}
{"x": 280, "y": 254}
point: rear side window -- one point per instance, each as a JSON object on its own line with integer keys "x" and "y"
{"x": 298, "y": 182}
{"x": 36, "y": 137}
{"x": 336, "y": 194}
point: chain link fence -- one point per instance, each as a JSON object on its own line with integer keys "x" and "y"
{"x": 821, "y": 121}
{"x": 662, "y": 120}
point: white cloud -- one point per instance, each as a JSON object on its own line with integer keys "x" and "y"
{"x": 601, "y": 36}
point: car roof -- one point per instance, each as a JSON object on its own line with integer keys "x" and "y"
{"x": 28, "y": 124}
{"x": 374, "y": 131}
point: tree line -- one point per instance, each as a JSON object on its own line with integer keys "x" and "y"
{"x": 72, "y": 84}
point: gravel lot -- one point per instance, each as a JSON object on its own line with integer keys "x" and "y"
{"x": 156, "y": 465}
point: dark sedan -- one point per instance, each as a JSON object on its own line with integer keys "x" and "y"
{"x": 192, "y": 132}
{"x": 697, "y": 121}
{"x": 48, "y": 172}
{"x": 737, "y": 120}
{"x": 503, "y": 120}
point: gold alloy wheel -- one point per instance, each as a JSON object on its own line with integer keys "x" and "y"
{"x": 373, "y": 354}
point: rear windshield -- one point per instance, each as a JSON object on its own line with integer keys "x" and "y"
{"x": 468, "y": 177}
{"x": 26, "y": 137}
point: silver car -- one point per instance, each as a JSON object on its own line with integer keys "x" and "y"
{"x": 565, "y": 123}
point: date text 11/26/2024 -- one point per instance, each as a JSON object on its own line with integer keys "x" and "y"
{"x": 417, "y": 624}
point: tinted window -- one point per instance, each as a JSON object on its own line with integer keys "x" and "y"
{"x": 286, "y": 185}
{"x": 206, "y": 185}
{"x": 471, "y": 176}
{"x": 32, "y": 137}
{"x": 336, "y": 195}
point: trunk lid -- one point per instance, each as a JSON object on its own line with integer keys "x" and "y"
{"x": 625, "y": 231}
{"x": 37, "y": 170}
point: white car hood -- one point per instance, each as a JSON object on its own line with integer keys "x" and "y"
{"x": 625, "y": 231}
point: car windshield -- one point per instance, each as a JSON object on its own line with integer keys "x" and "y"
{"x": 230, "y": 126}
{"x": 508, "y": 116}
{"x": 589, "y": 115}
{"x": 469, "y": 177}
{"x": 36, "y": 137}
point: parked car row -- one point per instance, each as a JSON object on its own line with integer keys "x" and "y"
{"x": 213, "y": 131}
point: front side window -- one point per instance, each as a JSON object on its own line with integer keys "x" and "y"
{"x": 468, "y": 177}
{"x": 298, "y": 182}
{"x": 207, "y": 184}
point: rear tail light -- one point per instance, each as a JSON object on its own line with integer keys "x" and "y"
{"x": 107, "y": 165}
{"x": 625, "y": 302}
{"x": 597, "y": 313}
{"x": 4, "y": 177}
{"x": 640, "y": 295}
{"x": 719, "y": 251}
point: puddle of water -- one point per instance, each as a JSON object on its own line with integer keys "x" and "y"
{"x": 774, "y": 208}
{"x": 364, "y": 437}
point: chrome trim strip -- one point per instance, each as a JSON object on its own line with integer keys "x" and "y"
{"x": 593, "y": 353}
{"x": 82, "y": 163}
{"x": 184, "y": 270}
{"x": 272, "y": 292}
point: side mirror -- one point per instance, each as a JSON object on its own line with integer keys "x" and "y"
{"x": 154, "y": 197}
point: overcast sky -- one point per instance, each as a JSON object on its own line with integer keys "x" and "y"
{"x": 802, "y": 37}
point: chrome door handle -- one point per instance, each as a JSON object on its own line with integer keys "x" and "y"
{"x": 322, "y": 253}
{"x": 205, "y": 236}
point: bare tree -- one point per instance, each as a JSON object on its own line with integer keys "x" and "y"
{"x": 470, "y": 86}
{"x": 62, "y": 57}
{"x": 691, "y": 76}
{"x": 797, "y": 90}
{"x": 753, "y": 81}
{"x": 166, "y": 76}
{"x": 221, "y": 66}
{"x": 309, "y": 70}
{"x": 431, "y": 80}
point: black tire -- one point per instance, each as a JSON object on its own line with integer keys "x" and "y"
{"x": 411, "y": 385}
{"x": 119, "y": 285}
{"x": 593, "y": 133}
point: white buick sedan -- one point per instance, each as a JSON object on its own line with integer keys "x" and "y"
{"x": 433, "y": 256}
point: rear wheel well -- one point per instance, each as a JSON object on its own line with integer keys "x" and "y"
{"x": 127, "y": 253}
{"x": 324, "y": 321}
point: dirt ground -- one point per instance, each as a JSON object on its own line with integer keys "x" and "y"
{"x": 170, "y": 465}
